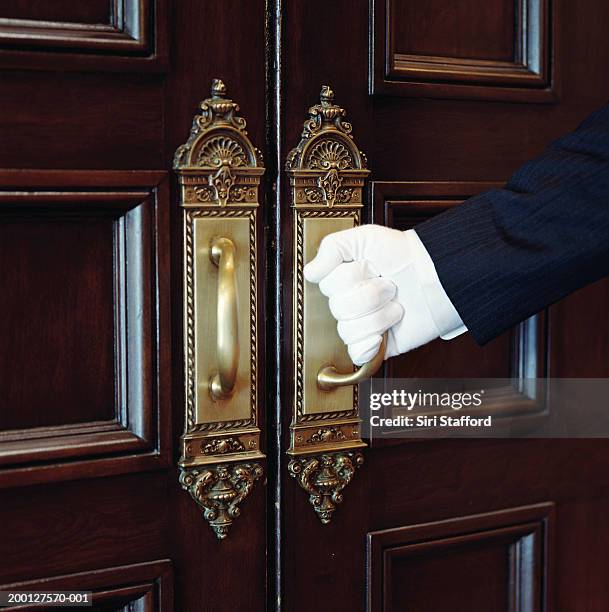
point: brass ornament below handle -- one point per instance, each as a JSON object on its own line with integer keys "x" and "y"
{"x": 324, "y": 477}
{"x": 329, "y": 378}
{"x": 223, "y": 253}
{"x": 219, "y": 489}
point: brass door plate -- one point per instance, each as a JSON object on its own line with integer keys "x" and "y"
{"x": 219, "y": 173}
{"x": 327, "y": 175}
{"x": 241, "y": 229}
{"x": 323, "y": 420}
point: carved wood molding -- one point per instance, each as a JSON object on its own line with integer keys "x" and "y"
{"x": 146, "y": 587}
{"x": 521, "y": 539}
{"x": 134, "y": 34}
{"x": 530, "y": 75}
{"x": 135, "y": 207}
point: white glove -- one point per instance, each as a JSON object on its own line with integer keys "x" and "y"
{"x": 379, "y": 279}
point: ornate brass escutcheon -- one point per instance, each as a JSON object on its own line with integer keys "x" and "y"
{"x": 323, "y": 477}
{"x": 327, "y": 175}
{"x": 219, "y": 172}
{"x": 219, "y": 490}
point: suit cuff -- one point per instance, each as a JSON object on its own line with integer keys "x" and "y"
{"x": 444, "y": 314}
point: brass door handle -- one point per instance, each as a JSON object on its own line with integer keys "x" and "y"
{"x": 329, "y": 378}
{"x": 219, "y": 171}
{"x": 223, "y": 253}
{"x": 327, "y": 174}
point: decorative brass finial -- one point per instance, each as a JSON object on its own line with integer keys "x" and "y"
{"x": 217, "y": 113}
{"x": 324, "y": 117}
{"x": 329, "y": 113}
{"x": 218, "y": 88}
{"x": 326, "y": 96}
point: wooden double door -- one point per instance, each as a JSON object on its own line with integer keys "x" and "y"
{"x": 446, "y": 99}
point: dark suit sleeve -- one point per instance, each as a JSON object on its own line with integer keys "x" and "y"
{"x": 506, "y": 254}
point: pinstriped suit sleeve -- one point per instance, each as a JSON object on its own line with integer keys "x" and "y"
{"x": 506, "y": 254}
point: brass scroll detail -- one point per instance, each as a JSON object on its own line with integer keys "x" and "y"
{"x": 219, "y": 173}
{"x": 327, "y": 175}
{"x": 329, "y": 378}
{"x": 323, "y": 477}
{"x": 223, "y": 252}
{"x": 219, "y": 490}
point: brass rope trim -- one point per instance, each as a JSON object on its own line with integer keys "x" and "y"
{"x": 299, "y": 323}
{"x": 190, "y": 321}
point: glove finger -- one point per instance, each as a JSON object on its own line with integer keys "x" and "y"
{"x": 345, "y": 277}
{"x": 350, "y": 242}
{"x": 375, "y": 323}
{"x": 363, "y": 351}
{"x": 344, "y": 246}
{"x": 365, "y": 298}
{"x": 328, "y": 256}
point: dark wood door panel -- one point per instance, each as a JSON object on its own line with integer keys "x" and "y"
{"x": 145, "y": 587}
{"x": 82, "y": 121}
{"x": 495, "y": 561}
{"x": 57, "y": 272}
{"x": 457, "y": 111}
{"x": 430, "y": 479}
{"x": 578, "y": 541}
{"x": 92, "y": 112}
{"x": 86, "y": 329}
{"x": 112, "y": 35}
{"x": 78, "y": 525}
{"x": 580, "y": 346}
{"x": 468, "y": 29}
{"x": 497, "y": 50}
{"x": 71, "y": 11}
{"x": 432, "y": 139}
{"x": 435, "y": 481}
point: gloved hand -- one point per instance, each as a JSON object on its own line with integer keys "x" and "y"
{"x": 370, "y": 275}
